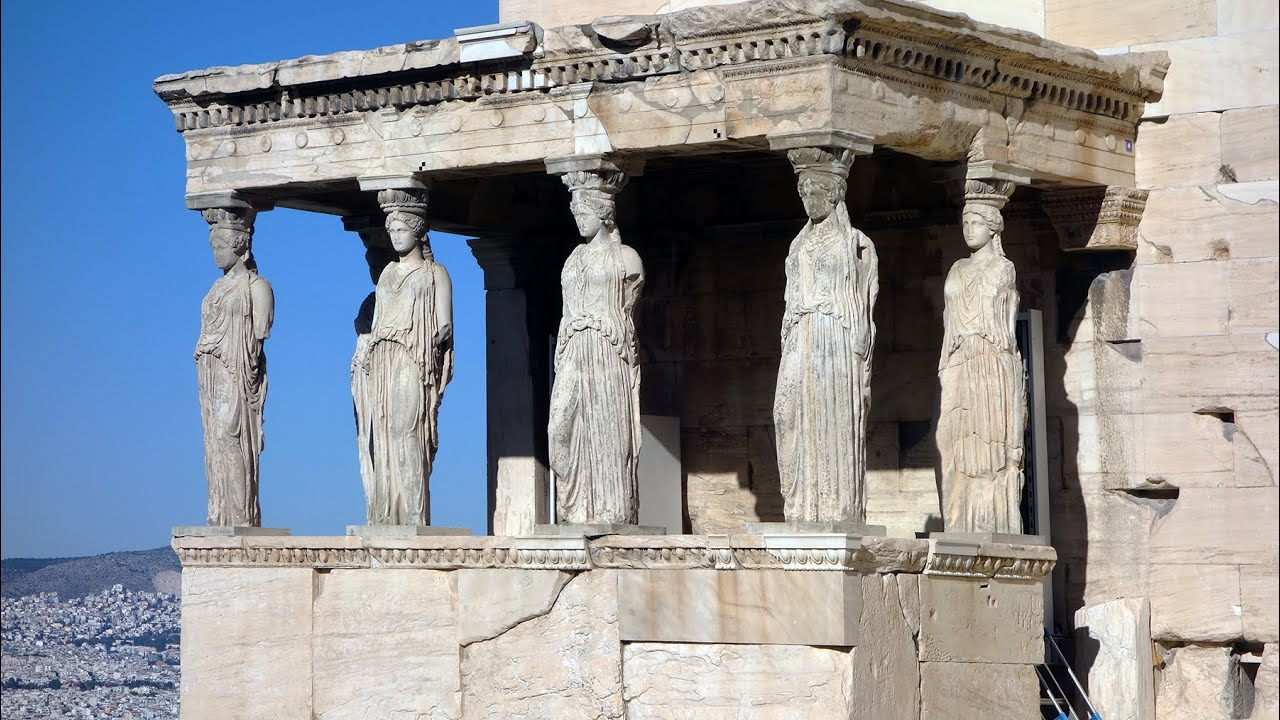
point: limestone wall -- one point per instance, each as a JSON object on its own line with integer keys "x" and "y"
{"x": 1178, "y": 458}
{"x": 638, "y": 628}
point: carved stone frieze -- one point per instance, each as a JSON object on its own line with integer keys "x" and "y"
{"x": 805, "y": 551}
{"x": 1001, "y": 561}
{"x": 883, "y": 44}
{"x": 1095, "y": 218}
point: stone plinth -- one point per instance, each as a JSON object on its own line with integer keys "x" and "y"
{"x": 595, "y": 530}
{"x": 825, "y": 625}
{"x": 798, "y": 528}
{"x": 226, "y": 531}
{"x": 404, "y": 530}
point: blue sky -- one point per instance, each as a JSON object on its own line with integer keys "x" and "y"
{"x": 104, "y": 269}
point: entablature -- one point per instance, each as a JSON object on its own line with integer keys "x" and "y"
{"x": 705, "y": 80}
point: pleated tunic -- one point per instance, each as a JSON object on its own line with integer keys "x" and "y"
{"x": 407, "y": 368}
{"x": 231, "y": 372}
{"x": 823, "y": 391}
{"x": 594, "y": 424}
{"x": 983, "y": 405}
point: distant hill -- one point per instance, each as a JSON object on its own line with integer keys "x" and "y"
{"x": 150, "y": 570}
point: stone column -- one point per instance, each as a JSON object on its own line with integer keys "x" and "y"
{"x": 517, "y": 384}
{"x": 235, "y": 322}
{"x": 593, "y": 429}
{"x": 401, "y": 370}
{"x": 824, "y": 374}
{"x": 983, "y": 408}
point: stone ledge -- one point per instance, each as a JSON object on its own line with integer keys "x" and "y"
{"x": 821, "y": 552}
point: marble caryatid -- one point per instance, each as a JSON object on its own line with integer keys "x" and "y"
{"x": 378, "y": 254}
{"x": 405, "y": 363}
{"x": 823, "y": 391}
{"x": 594, "y": 428}
{"x": 231, "y": 367}
{"x": 983, "y": 411}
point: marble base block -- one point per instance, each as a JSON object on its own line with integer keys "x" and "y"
{"x": 986, "y": 538}
{"x": 404, "y": 530}
{"x": 227, "y": 531}
{"x": 827, "y": 528}
{"x": 598, "y": 529}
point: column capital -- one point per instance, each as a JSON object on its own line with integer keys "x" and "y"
{"x": 227, "y": 200}
{"x": 596, "y": 164}
{"x": 988, "y": 182}
{"x": 1095, "y": 218}
{"x": 855, "y": 143}
{"x": 411, "y": 181}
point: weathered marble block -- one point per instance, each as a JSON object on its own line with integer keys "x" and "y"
{"x": 620, "y": 626}
{"x": 246, "y": 635}
{"x": 385, "y": 644}
{"x": 702, "y": 681}
{"x": 763, "y": 606}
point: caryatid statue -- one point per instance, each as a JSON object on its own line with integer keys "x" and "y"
{"x": 824, "y": 374}
{"x": 983, "y": 411}
{"x": 594, "y": 428}
{"x": 235, "y": 320}
{"x": 406, "y": 362}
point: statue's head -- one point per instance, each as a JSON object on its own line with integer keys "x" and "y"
{"x": 982, "y": 224}
{"x": 592, "y": 200}
{"x": 820, "y": 177}
{"x": 230, "y": 235}
{"x": 406, "y": 218}
{"x": 406, "y": 230}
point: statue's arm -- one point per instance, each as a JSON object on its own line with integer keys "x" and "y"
{"x": 948, "y": 326}
{"x": 634, "y": 281}
{"x": 264, "y": 307}
{"x": 1007, "y": 308}
{"x": 444, "y": 306}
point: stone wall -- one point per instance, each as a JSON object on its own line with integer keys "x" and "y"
{"x": 1168, "y": 491}
{"x": 691, "y": 627}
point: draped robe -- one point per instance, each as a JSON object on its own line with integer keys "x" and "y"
{"x": 823, "y": 391}
{"x": 409, "y": 361}
{"x": 983, "y": 411}
{"x": 594, "y": 425}
{"x": 231, "y": 372}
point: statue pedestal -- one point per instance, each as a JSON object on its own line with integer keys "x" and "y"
{"x": 300, "y": 627}
{"x": 226, "y": 531}
{"x": 592, "y": 530}
{"x": 404, "y": 530}
{"x": 824, "y": 528}
{"x": 987, "y": 538}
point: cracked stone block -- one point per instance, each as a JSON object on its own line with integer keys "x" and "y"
{"x": 385, "y": 644}
{"x": 886, "y": 673}
{"x": 1193, "y": 684}
{"x": 716, "y": 681}
{"x": 497, "y": 600}
{"x": 1266, "y": 696}
{"x": 1113, "y": 652}
{"x": 564, "y": 664}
